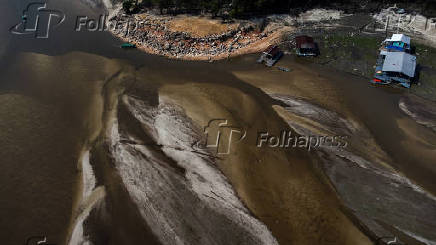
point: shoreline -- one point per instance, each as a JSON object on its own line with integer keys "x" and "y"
{"x": 171, "y": 37}
{"x": 255, "y": 47}
{"x": 158, "y": 35}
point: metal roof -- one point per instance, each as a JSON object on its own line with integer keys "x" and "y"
{"x": 400, "y": 62}
{"x": 384, "y": 52}
{"x": 399, "y": 38}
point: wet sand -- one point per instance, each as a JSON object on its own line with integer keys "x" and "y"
{"x": 318, "y": 88}
{"x": 37, "y": 169}
{"x": 52, "y": 112}
{"x": 49, "y": 116}
{"x": 374, "y": 108}
{"x": 280, "y": 186}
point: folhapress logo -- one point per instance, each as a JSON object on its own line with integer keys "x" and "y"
{"x": 37, "y": 19}
{"x": 220, "y": 136}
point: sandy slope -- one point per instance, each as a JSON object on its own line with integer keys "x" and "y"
{"x": 278, "y": 185}
{"x": 382, "y": 199}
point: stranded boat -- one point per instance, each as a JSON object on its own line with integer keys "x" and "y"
{"x": 305, "y": 46}
{"x": 395, "y": 64}
{"x": 270, "y": 56}
{"x": 395, "y": 67}
{"x": 128, "y": 45}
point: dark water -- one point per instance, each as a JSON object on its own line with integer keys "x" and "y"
{"x": 44, "y": 86}
{"x": 41, "y": 120}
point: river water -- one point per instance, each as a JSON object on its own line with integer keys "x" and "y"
{"x": 47, "y": 87}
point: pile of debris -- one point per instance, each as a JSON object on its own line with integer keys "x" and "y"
{"x": 395, "y": 19}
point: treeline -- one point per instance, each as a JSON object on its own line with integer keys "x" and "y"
{"x": 248, "y": 8}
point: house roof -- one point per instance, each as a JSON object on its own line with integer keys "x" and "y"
{"x": 301, "y": 40}
{"x": 399, "y": 38}
{"x": 400, "y": 62}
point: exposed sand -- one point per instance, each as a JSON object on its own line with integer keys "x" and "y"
{"x": 420, "y": 110}
{"x": 199, "y": 26}
{"x": 309, "y": 84}
{"x": 419, "y": 140}
{"x": 278, "y": 185}
{"x": 303, "y": 86}
{"x": 196, "y": 38}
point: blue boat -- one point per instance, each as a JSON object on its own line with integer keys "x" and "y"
{"x": 397, "y": 43}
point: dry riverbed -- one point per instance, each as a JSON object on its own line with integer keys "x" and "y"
{"x": 175, "y": 37}
{"x": 111, "y": 151}
{"x": 148, "y": 158}
{"x": 137, "y": 175}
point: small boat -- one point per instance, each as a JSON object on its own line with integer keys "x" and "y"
{"x": 283, "y": 69}
{"x": 270, "y": 56}
{"x": 128, "y": 45}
